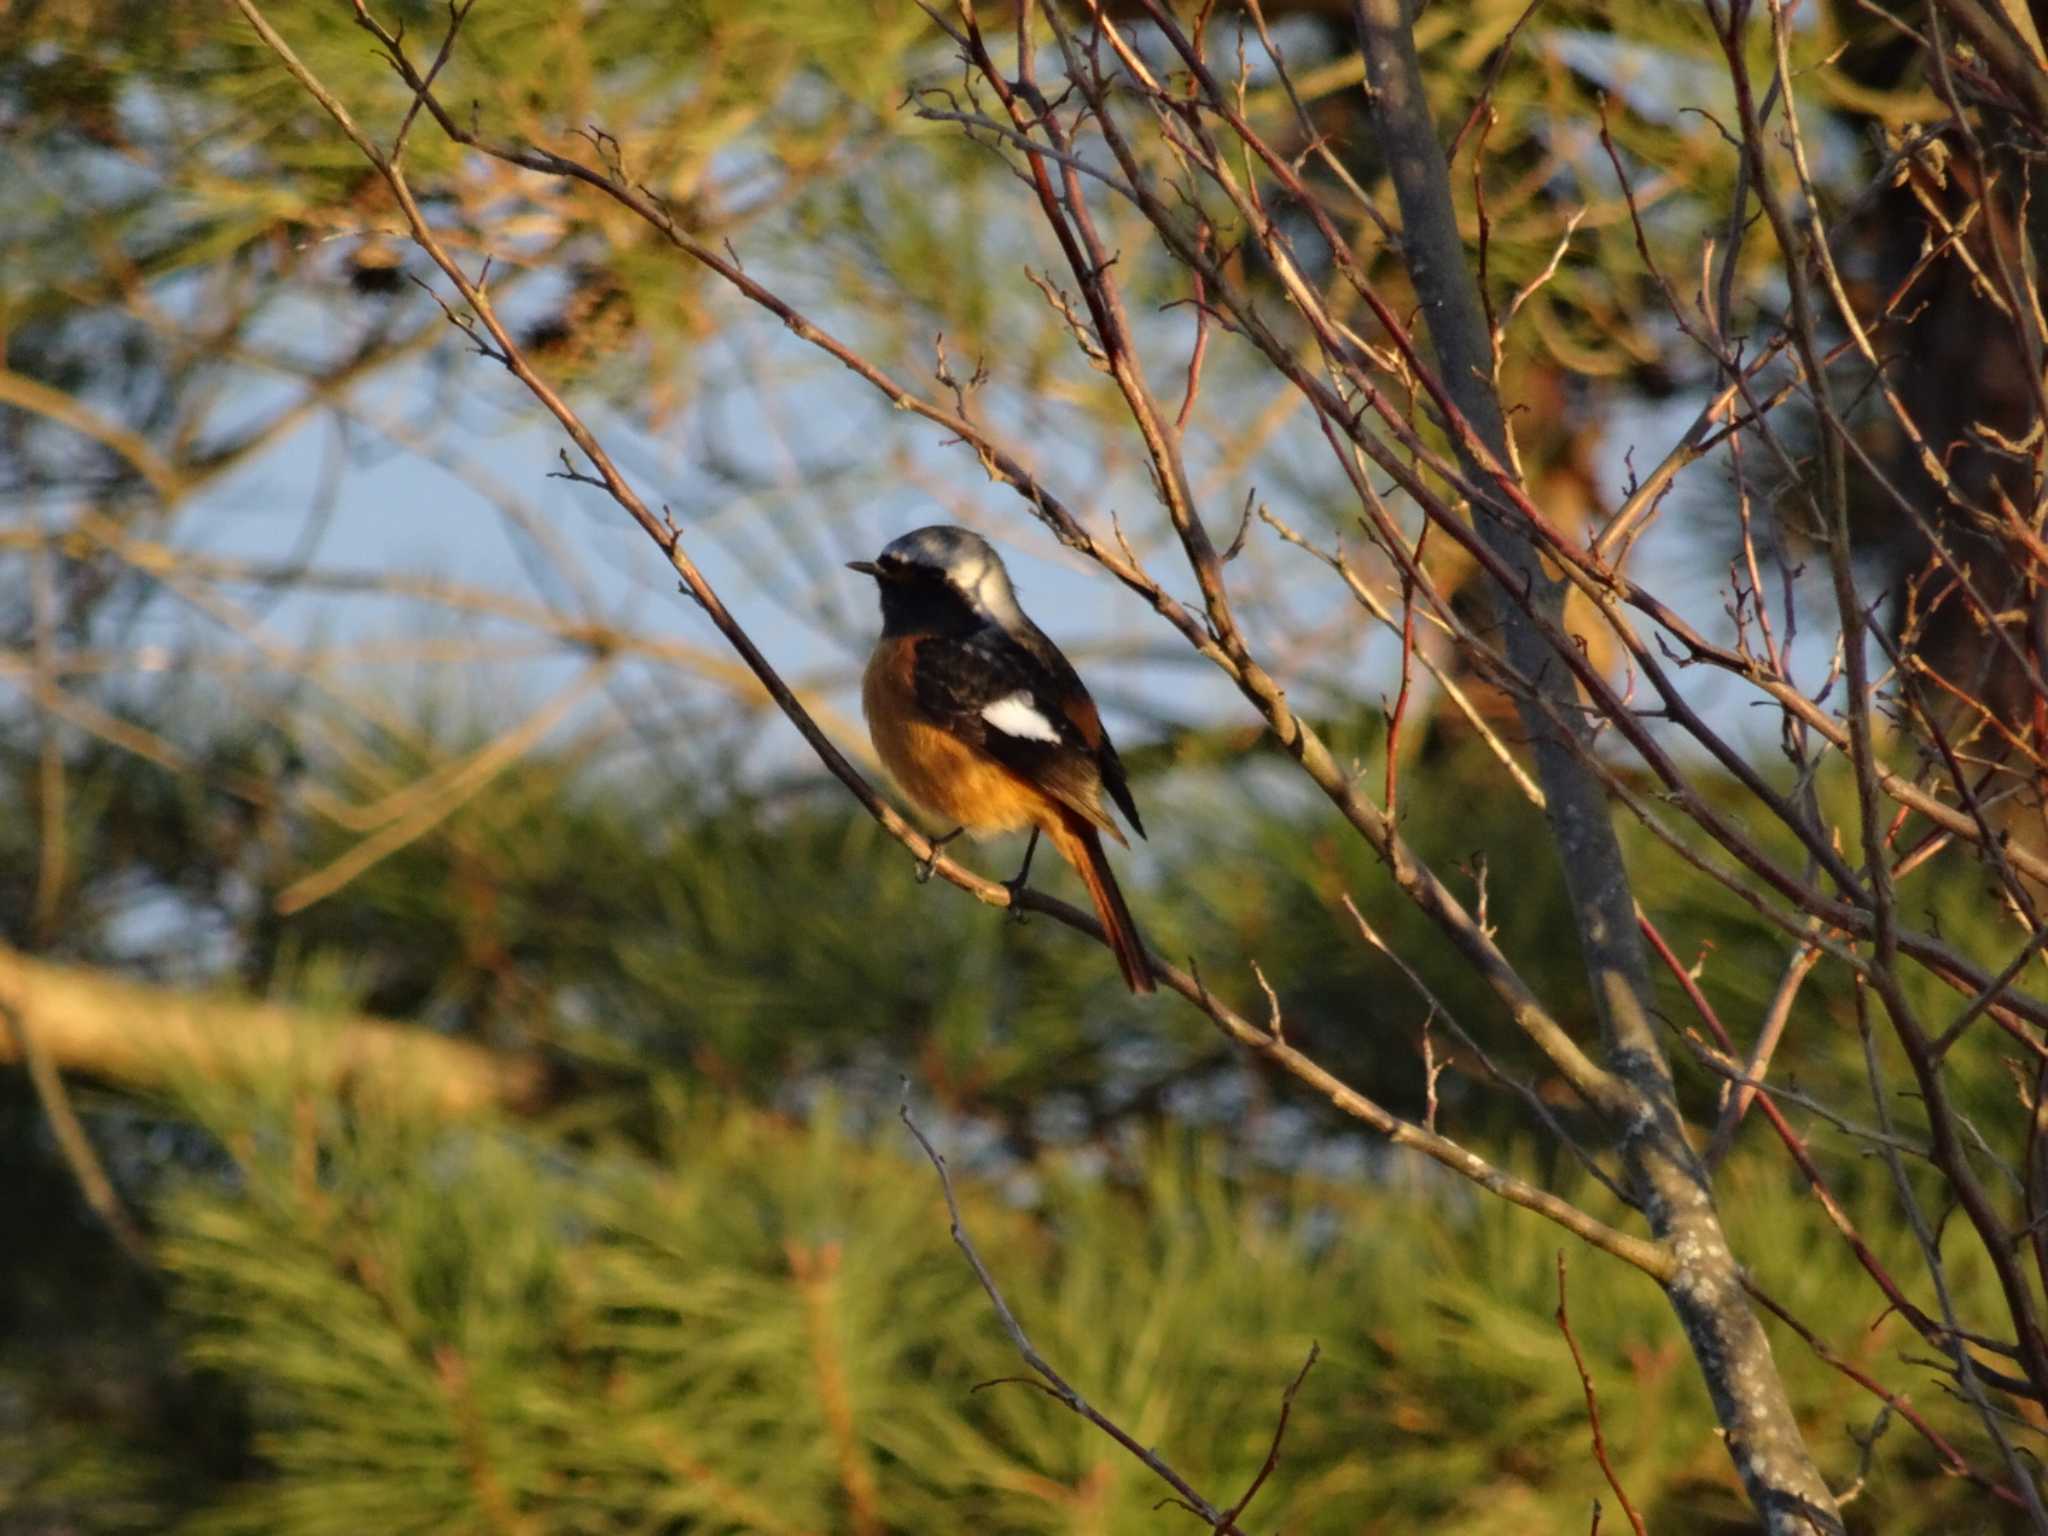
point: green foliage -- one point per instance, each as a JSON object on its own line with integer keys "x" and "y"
{"x": 685, "y": 1311}
{"x": 763, "y": 1326}
{"x": 104, "y": 1424}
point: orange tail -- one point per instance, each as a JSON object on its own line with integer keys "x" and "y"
{"x": 1081, "y": 846}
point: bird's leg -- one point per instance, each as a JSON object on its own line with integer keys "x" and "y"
{"x": 930, "y": 861}
{"x": 1015, "y": 884}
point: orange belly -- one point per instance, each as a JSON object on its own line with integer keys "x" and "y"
{"x": 945, "y": 776}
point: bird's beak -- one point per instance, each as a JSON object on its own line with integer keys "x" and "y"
{"x": 865, "y": 567}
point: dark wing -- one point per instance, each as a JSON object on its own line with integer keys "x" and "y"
{"x": 1079, "y": 711}
{"x": 1035, "y": 719}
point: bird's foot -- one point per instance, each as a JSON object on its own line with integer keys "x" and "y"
{"x": 1016, "y": 885}
{"x": 1017, "y": 888}
{"x": 930, "y": 861}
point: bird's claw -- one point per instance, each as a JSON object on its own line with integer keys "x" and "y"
{"x": 930, "y": 862}
{"x": 1015, "y": 884}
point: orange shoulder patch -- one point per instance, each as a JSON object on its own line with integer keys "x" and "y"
{"x": 1081, "y": 714}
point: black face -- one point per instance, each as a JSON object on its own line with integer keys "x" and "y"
{"x": 918, "y": 599}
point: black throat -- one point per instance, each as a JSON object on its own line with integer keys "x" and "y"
{"x": 921, "y": 603}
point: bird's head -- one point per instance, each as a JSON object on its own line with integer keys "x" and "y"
{"x": 943, "y": 564}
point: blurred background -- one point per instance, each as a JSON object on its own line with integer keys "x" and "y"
{"x": 485, "y": 1026}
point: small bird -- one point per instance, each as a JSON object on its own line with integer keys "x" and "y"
{"x": 984, "y": 723}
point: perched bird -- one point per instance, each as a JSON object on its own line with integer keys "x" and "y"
{"x": 984, "y": 723}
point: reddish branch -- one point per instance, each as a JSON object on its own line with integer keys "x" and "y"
{"x": 1564, "y": 1326}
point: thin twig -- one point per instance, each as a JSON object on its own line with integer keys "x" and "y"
{"x": 73, "y": 1144}
{"x": 1564, "y": 1324}
{"x": 1216, "y": 1519}
{"x": 1230, "y": 1516}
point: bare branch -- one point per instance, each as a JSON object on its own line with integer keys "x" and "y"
{"x": 1216, "y": 1519}
{"x": 1564, "y": 1326}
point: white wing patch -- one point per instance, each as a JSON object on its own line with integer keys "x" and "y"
{"x": 1015, "y": 715}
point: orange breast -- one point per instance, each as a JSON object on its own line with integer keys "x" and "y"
{"x": 950, "y": 779}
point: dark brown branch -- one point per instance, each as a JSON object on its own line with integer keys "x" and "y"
{"x": 1952, "y": 1460}
{"x": 1231, "y": 1515}
{"x": 1057, "y": 1385}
